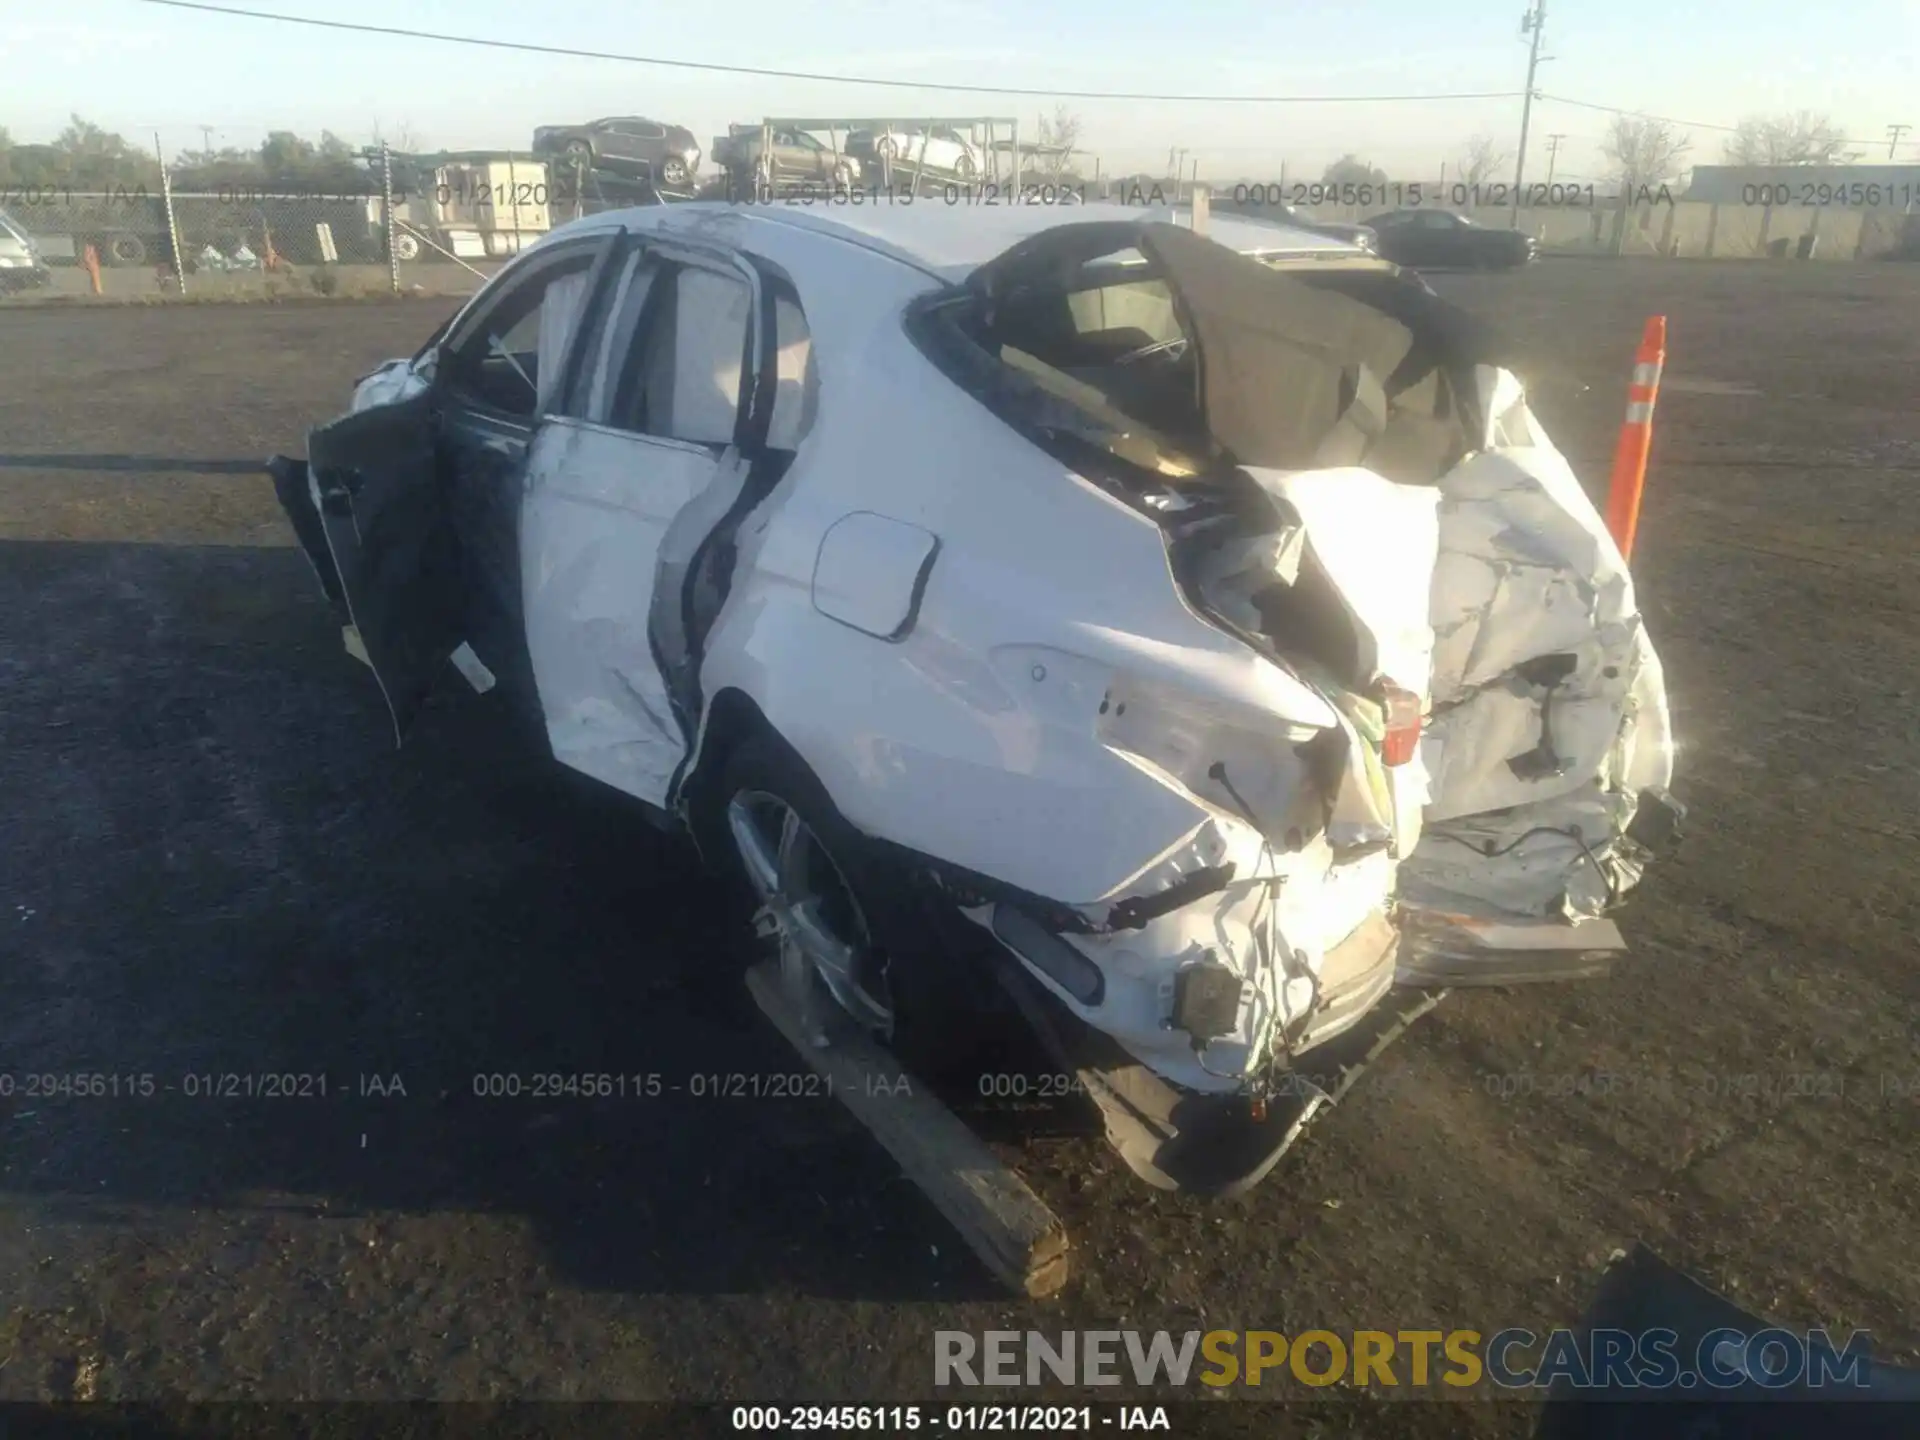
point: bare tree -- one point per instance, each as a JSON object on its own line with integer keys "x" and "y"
{"x": 403, "y": 141}
{"x": 1062, "y": 130}
{"x": 1798, "y": 139}
{"x": 1643, "y": 151}
{"x": 1482, "y": 161}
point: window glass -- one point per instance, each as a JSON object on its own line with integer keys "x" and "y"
{"x": 610, "y": 338}
{"x": 796, "y": 394}
{"x": 500, "y": 362}
{"x": 681, "y": 379}
{"x": 1143, "y": 305}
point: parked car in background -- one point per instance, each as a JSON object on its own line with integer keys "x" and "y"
{"x": 625, "y": 145}
{"x": 1185, "y": 647}
{"x": 1361, "y": 235}
{"x": 938, "y": 147}
{"x": 1441, "y": 240}
{"x": 21, "y": 266}
{"x": 798, "y": 155}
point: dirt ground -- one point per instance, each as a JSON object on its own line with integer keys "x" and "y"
{"x": 212, "y": 861}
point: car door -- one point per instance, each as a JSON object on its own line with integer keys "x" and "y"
{"x": 1452, "y": 240}
{"x": 614, "y": 142}
{"x": 621, "y": 491}
{"x": 498, "y": 371}
{"x": 369, "y": 506}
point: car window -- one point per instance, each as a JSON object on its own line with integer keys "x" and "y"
{"x": 1436, "y": 220}
{"x": 807, "y": 142}
{"x": 681, "y": 377}
{"x": 507, "y": 357}
{"x": 796, "y": 394}
{"x": 1145, "y": 306}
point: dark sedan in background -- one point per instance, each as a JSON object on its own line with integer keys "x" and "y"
{"x": 1361, "y": 235}
{"x": 625, "y": 145}
{"x": 1441, "y": 240}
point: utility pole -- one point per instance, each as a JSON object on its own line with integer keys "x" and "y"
{"x": 1894, "y": 132}
{"x": 1553, "y": 149}
{"x": 206, "y": 140}
{"x": 1530, "y": 23}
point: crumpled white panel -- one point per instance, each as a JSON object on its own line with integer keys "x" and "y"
{"x": 1376, "y": 540}
{"x": 1527, "y": 569}
{"x": 597, "y": 506}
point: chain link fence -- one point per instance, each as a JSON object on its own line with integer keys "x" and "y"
{"x": 438, "y": 227}
{"x": 443, "y": 225}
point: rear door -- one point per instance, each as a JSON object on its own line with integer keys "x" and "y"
{"x": 620, "y": 493}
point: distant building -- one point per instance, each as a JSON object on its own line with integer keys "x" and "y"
{"x": 1893, "y": 188}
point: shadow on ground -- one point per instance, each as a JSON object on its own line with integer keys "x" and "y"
{"x": 219, "y": 867}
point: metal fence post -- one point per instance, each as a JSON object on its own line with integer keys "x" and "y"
{"x": 173, "y": 229}
{"x": 386, "y": 202}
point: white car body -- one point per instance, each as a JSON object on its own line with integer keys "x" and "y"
{"x": 939, "y": 148}
{"x": 987, "y": 658}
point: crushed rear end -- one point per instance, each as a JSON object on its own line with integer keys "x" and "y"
{"x": 1472, "y": 772}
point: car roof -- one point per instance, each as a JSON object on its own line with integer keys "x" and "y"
{"x": 949, "y": 242}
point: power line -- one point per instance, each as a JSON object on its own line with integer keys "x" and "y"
{"x": 1618, "y": 110}
{"x": 714, "y": 66}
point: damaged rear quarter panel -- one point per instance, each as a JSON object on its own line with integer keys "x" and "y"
{"x": 931, "y": 742}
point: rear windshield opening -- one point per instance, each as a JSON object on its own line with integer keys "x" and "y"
{"x": 1108, "y": 341}
{"x": 1309, "y": 371}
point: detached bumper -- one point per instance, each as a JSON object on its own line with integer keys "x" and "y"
{"x": 1210, "y": 1146}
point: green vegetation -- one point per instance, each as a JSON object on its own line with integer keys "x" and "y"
{"x": 88, "y": 157}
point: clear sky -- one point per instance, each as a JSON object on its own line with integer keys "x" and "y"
{"x": 137, "y": 67}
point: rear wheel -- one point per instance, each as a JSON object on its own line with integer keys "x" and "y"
{"x": 842, "y": 919}
{"x": 674, "y": 170}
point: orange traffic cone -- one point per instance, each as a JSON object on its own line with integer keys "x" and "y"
{"x": 1636, "y": 437}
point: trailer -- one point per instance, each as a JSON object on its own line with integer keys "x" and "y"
{"x": 472, "y": 205}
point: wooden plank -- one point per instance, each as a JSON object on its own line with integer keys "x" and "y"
{"x": 1003, "y": 1222}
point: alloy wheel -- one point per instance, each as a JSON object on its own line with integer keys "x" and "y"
{"x": 806, "y": 901}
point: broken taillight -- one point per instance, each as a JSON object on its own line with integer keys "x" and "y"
{"x": 1402, "y": 737}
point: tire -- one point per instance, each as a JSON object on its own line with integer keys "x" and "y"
{"x": 843, "y": 176}
{"x": 896, "y": 987}
{"x": 406, "y": 247}
{"x": 579, "y": 153}
{"x": 124, "y": 249}
{"x": 886, "y": 149}
{"x": 964, "y": 166}
{"x": 674, "y": 170}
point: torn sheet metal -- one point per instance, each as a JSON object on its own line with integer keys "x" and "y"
{"x": 390, "y": 383}
{"x": 1549, "y": 710}
{"x": 597, "y": 506}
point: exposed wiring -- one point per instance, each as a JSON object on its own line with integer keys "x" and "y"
{"x": 1492, "y": 852}
{"x": 404, "y": 33}
{"x": 1270, "y": 917}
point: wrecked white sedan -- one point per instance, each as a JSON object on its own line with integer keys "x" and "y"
{"x": 1173, "y": 640}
